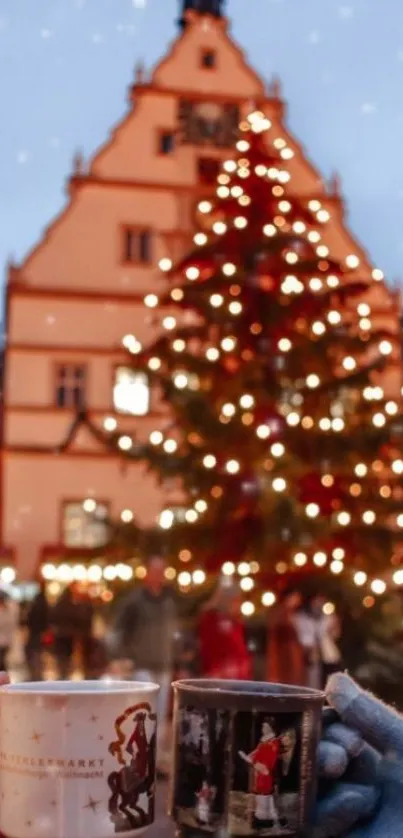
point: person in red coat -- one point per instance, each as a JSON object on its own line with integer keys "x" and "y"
{"x": 264, "y": 759}
{"x": 285, "y": 654}
{"x": 222, "y": 643}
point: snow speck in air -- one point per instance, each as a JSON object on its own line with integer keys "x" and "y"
{"x": 346, "y": 12}
{"x": 46, "y": 33}
{"x": 368, "y": 108}
{"x": 97, "y": 38}
{"x": 314, "y": 37}
{"x": 22, "y": 157}
{"x": 139, "y": 4}
{"x": 126, "y": 28}
{"x": 54, "y": 142}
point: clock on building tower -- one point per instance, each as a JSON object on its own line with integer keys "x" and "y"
{"x": 208, "y": 123}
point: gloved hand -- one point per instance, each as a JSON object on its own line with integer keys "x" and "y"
{"x": 365, "y": 749}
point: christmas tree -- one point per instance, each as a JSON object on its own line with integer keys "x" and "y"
{"x": 282, "y": 445}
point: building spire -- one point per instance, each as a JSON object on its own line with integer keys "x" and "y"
{"x": 203, "y": 7}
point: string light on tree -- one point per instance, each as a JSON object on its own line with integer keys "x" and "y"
{"x": 151, "y": 301}
{"x": 170, "y": 446}
{"x": 268, "y": 599}
{"x": 125, "y": 443}
{"x": 385, "y": 347}
{"x": 360, "y": 578}
{"x": 378, "y": 586}
{"x": 320, "y": 559}
{"x": 248, "y": 609}
{"x": 228, "y": 569}
{"x": 232, "y": 466}
{"x": 336, "y": 567}
{"x": 110, "y": 424}
{"x": 209, "y": 461}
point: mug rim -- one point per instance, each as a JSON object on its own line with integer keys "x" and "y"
{"x": 250, "y": 689}
{"x": 70, "y": 689}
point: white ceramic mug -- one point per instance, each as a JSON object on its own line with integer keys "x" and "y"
{"x": 77, "y": 759}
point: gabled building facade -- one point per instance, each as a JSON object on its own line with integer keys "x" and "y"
{"x": 81, "y": 290}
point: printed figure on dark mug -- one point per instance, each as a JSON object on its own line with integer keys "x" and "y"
{"x": 205, "y": 799}
{"x": 203, "y": 760}
{"x": 264, "y": 794}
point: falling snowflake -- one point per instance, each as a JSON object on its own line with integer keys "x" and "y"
{"x": 368, "y": 107}
{"x": 54, "y": 142}
{"x": 97, "y": 38}
{"x": 139, "y": 4}
{"x": 127, "y": 28}
{"x": 22, "y": 157}
{"x": 346, "y": 12}
{"x": 46, "y": 33}
{"x": 314, "y": 37}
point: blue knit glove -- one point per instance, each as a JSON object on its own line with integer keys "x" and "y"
{"x": 368, "y": 801}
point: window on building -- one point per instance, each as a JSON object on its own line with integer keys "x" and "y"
{"x": 209, "y": 59}
{"x": 70, "y": 386}
{"x": 208, "y": 170}
{"x": 85, "y": 524}
{"x": 137, "y": 245}
{"x": 131, "y": 392}
{"x": 166, "y": 142}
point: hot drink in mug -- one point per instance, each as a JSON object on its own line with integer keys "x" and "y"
{"x": 77, "y": 759}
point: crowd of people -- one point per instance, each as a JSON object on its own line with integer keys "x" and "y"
{"x": 58, "y": 628}
{"x": 145, "y": 635}
{"x": 146, "y": 638}
{"x": 302, "y": 641}
{"x": 365, "y": 736}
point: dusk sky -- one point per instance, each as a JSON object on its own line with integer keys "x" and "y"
{"x": 65, "y": 66}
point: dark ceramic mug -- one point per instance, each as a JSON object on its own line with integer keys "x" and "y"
{"x": 244, "y": 758}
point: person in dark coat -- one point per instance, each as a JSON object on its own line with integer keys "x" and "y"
{"x": 37, "y": 623}
{"x": 65, "y": 622}
{"x": 85, "y": 618}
